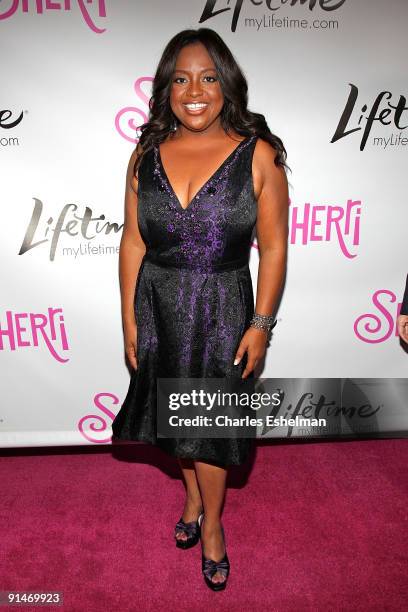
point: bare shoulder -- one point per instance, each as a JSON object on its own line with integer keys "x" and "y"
{"x": 264, "y": 155}
{"x": 265, "y": 171}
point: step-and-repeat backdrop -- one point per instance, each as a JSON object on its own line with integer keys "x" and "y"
{"x": 330, "y": 77}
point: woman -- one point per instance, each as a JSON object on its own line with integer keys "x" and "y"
{"x": 205, "y": 171}
{"x": 403, "y": 316}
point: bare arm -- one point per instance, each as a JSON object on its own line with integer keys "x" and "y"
{"x": 271, "y": 192}
{"x": 132, "y": 249}
{"x": 272, "y": 228}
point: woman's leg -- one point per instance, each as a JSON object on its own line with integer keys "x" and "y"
{"x": 193, "y": 504}
{"x": 211, "y": 480}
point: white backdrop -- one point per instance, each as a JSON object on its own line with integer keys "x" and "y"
{"x": 76, "y": 79}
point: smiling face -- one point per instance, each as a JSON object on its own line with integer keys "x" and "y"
{"x": 196, "y": 97}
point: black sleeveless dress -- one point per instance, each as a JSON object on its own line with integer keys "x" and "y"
{"x": 194, "y": 296}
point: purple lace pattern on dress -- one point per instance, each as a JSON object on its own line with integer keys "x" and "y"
{"x": 201, "y": 230}
{"x": 194, "y": 296}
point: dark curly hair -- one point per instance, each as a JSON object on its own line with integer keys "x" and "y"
{"x": 234, "y": 86}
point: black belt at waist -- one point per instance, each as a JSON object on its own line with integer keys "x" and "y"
{"x": 198, "y": 265}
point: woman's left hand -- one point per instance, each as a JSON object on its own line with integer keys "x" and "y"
{"x": 254, "y": 343}
{"x": 403, "y": 327}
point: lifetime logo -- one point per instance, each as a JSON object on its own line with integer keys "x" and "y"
{"x": 376, "y": 115}
{"x": 5, "y": 115}
{"x": 213, "y": 8}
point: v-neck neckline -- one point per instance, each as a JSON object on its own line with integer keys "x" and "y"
{"x": 207, "y": 182}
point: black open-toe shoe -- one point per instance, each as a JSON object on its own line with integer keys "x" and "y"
{"x": 191, "y": 529}
{"x": 209, "y": 568}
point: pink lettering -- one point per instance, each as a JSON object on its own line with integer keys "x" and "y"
{"x": 51, "y": 5}
{"x": 373, "y": 324}
{"x": 125, "y": 118}
{"x": 318, "y": 222}
{"x": 315, "y": 222}
{"x": 19, "y": 329}
{"x": 93, "y": 427}
{"x": 48, "y": 328}
{"x": 303, "y": 225}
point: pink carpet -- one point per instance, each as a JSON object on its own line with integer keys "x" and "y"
{"x": 310, "y": 526}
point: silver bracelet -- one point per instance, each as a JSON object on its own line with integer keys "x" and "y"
{"x": 265, "y": 322}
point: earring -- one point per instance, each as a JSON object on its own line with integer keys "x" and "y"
{"x": 174, "y": 126}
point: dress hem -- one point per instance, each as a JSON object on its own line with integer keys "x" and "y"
{"x": 150, "y": 442}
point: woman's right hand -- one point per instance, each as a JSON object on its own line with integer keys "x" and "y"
{"x": 403, "y": 327}
{"x": 130, "y": 335}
